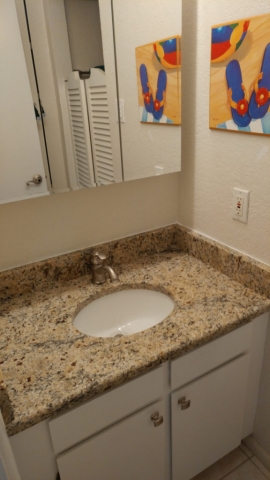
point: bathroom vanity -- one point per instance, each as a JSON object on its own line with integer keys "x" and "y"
{"x": 169, "y": 423}
{"x": 156, "y": 400}
{"x": 124, "y": 433}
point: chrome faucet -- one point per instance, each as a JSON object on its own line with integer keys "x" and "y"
{"x": 99, "y": 269}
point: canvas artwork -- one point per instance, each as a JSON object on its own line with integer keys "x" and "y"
{"x": 159, "y": 81}
{"x": 240, "y": 76}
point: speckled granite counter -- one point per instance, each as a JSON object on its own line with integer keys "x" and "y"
{"x": 48, "y": 366}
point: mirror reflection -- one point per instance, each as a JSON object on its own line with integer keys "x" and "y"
{"x": 152, "y": 148}
{"x": 79, "y": 76}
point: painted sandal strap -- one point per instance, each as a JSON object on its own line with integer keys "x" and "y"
{"x": 262, "y": 94}
{"x": 147, "y": 95}
{"x": 158, "y": 104}
{"x": 242, "y": 105}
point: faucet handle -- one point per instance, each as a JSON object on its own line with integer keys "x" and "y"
{"x": 97, "y": 258}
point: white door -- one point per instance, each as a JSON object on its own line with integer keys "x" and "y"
{"x": 133, "y": 449}
{"x": 105, "y": 147}
{"x": 21, "y": 156}
{"x": 77, "y": 107}
{"x": 210, "y": 426}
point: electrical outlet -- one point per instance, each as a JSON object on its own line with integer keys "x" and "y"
{"x": 240, "y": 204}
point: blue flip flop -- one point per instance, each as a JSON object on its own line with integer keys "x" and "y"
{"x": 146, "y": 89}
{"x": 160, "y": 95}
{"x": 260, "y": 98}
{"x": 237, "y": 94}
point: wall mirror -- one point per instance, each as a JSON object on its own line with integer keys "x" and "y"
{"x": 79, "y": 75}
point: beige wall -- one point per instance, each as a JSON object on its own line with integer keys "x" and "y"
{"x": 40, "y": 228}
{"x": 213, "y": 162}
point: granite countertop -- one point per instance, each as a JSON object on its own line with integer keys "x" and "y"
{"x": 48, "y": 366}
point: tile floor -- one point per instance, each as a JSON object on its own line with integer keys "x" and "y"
{"x": 240, "y": 464}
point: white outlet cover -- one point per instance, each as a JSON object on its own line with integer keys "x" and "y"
{"x": 244, "y": 195}
{"x": 159, "y": 170}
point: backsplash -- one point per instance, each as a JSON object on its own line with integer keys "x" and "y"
{"x": 235, "y": 265}
{"x": 40, "y": 275}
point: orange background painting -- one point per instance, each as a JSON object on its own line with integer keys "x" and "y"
{"x": 249, "y": 55}
{"x": 145, "y": 55}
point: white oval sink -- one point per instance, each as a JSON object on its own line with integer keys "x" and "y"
{"x": 123, "y": 313}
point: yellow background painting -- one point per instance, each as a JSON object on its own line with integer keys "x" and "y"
{"x": 145, "y": 55}
{"x": 249, "y": 55}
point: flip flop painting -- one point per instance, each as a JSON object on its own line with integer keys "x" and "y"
{"x": 240, "y": 76}
{"x": 159, "y": 81}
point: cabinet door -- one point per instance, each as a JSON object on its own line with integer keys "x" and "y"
{"x": 133, "y": 449}
{"x": 211, "y": 426}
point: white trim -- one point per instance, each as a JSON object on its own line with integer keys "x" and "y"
{"x": 8, "y": 466}
{"x": 257, "y": 450}
{"x": 17, "y": 199}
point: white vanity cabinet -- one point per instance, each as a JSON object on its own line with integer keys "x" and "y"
{"x": 207, "y": 418}
{"x": 215, "y": 403}
{"x": 124, "y": 432}
{"x": 132, "y": 449}
{"x": 204, "y": 401}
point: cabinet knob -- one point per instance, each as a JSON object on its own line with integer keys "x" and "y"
{"x": 158, "y": 420}
{"x": 185, "y": 404}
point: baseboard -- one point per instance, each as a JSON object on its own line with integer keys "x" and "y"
{"x": 257, "y": 450}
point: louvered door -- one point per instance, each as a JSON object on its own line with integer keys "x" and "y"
{"x": 100, "y": 128}
{"x": 80, "y": 130}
